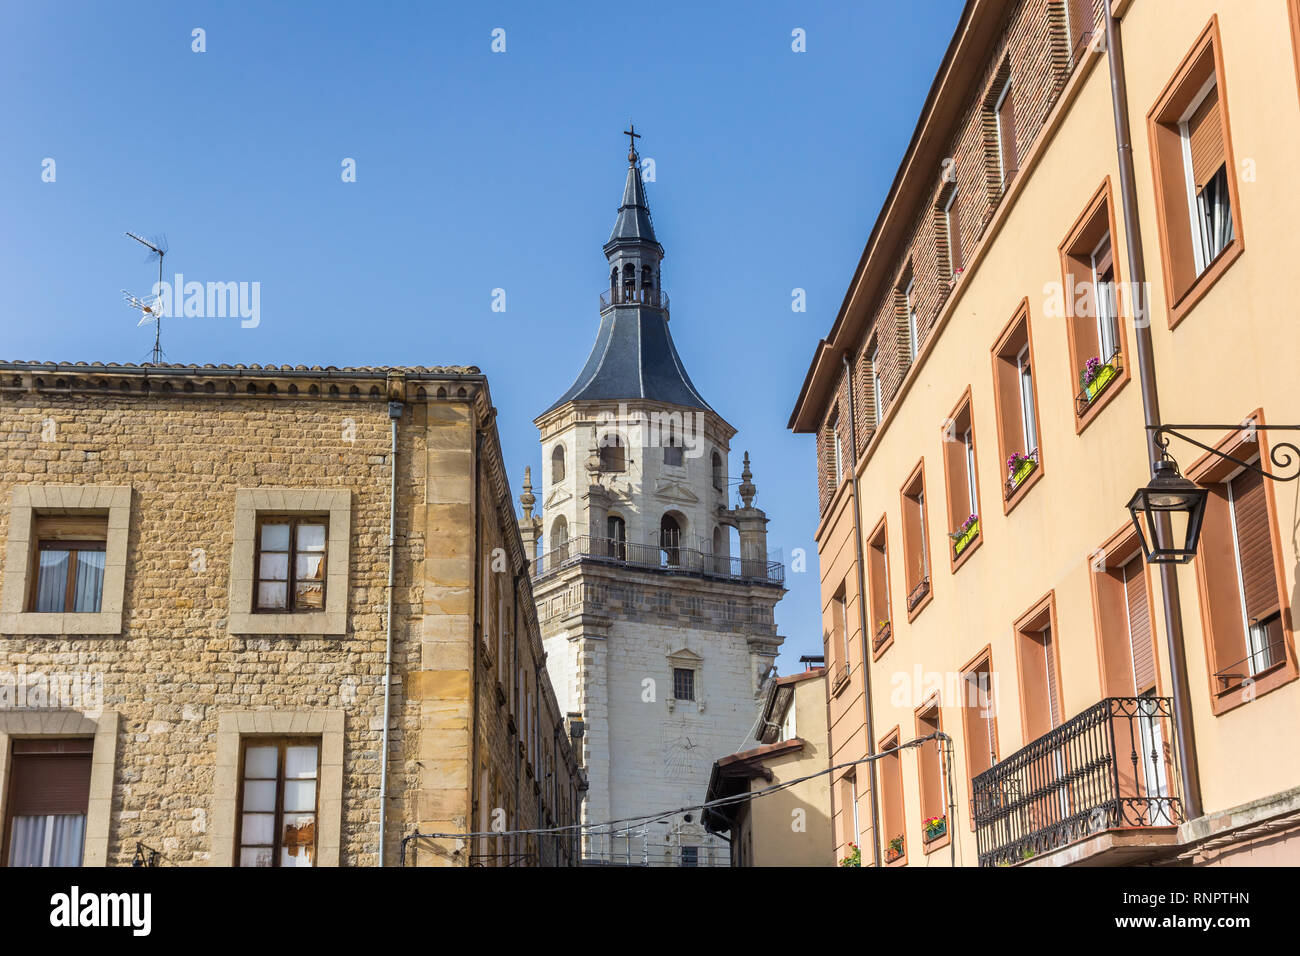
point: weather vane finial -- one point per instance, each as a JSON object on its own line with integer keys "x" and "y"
{"x": 632, "y": 136}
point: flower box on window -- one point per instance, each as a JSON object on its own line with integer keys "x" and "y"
{"x": 935, "y": 827}
{"x": 963, "y": 536}
{"x": 854, "y": 857}
{"x": 1096, "y": 376}
{"x": 1019, "y": 467}
{"x": 894, "y": 850}
{"x": 883, "y": 631}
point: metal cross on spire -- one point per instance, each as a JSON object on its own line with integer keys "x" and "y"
{"x": 632, "y": 136}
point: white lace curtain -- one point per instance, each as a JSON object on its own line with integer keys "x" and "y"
{"x": 54, "y": 840}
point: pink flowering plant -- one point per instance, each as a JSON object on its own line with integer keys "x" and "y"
{"x": 966, "y": 525}
{"x": 1089, "y": 373}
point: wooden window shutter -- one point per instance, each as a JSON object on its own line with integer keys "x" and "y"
{"x": 1049, "y": 661}
{"x": 1255, "y": 544}
{"x": 50, "y": 777}
{"x": 1205, "y": 133}
{"x": 1139, "y": 627}
{"x": 1007, "y": 127}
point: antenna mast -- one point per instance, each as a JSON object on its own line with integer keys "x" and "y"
{"x": 158, "y": 249}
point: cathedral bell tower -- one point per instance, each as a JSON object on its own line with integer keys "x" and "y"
{"x": 659, "y": 629}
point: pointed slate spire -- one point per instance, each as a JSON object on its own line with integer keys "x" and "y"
{"x": 634, "y": 355}
{"x": 633, "y": 224}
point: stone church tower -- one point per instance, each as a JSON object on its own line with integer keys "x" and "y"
{"x": 659, "y": 630}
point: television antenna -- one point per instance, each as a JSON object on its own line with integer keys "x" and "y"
{"x": 151, "y": 308}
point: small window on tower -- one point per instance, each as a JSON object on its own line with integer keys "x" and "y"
{"x": 613, "y": 457}
{"x": 673, "y": 452}
{"x": 683, "y": 683}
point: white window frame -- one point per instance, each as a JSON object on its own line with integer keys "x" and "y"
{"x": 839, "y": 453}
{"x": 969, "y": 441}
{"x": 874, "y": 359}
{"x": 1028, "y": 411}
{"x": 948, "y": 225}
{"x": 1199, "y": 252}
{"x": 913, "y": 332}
{"x": 857, "y": 829}
{"x": 1108, "y": 323}
{"x": 997, "y": 120}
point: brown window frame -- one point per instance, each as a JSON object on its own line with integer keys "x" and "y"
{"x": 1097, "y": 221}
{"x": 73, "y": 548}
{"x": 914, "y": 497}
{"x": 1009, "y": 414}
{"x": 291, "y": 581}
{"x": 1293, "y": 20}
{"x": 878, "y": 588}
{"x": 1114, "y": 638}
{"x": 1184, "y": 287}
{"x": 1211, "y": 469}
{"x": 278, "y": 832}
{"x": 930, "y": 774}
{"x": 840, "y": 632}
{"x": 48, "y": 530}
{"x": 1042, "y": 615}
{"x": 960, "y": 476}
{"x": 893, "y": 810}
{"x": 970, "y": 712}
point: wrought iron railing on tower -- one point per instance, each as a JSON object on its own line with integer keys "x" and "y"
{"x": 1110, "y": 767}
{"x": 661, "y": 557}
{"x": 647, "y": 846}
{"x": 656, "y": 298}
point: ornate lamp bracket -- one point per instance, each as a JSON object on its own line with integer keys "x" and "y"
{"x": 1285, "y": 456}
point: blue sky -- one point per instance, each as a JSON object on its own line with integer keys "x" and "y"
{"x": 475, "y": 170}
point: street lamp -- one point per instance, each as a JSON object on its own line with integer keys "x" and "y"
{"x": 1169, "y": 510}
{"x": 1172, "y": 509}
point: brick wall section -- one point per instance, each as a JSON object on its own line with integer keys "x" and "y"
{"x": 1033, "y": 52}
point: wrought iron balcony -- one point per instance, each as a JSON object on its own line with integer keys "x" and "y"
{"x": 918, "y": 593}
{"x": 659, "y": 557}
{"x": 1110, "y": 767}
{"x": 655, "y": 298}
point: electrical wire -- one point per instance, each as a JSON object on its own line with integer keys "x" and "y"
{"x": 946, "y": 749}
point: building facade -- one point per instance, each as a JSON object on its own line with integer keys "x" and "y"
{"x": 211, "y": 577}
{"x": 791, "y": 824}
{"x": 987, "y": 353}
{"x": 656, "y": 598}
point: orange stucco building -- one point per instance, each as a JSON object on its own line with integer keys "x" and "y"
{"x": 979, "y": 410}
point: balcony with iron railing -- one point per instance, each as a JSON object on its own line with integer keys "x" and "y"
{"x": 658, "y": 557}
{"x": 1109, "y": 768}
{"x": 654, "y": 298}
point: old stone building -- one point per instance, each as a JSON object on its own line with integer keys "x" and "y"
{"x": 208, "y": 572}
{"x": 659, "y": 630}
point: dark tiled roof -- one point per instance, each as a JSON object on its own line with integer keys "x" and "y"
{"x": 634, "y": 357}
